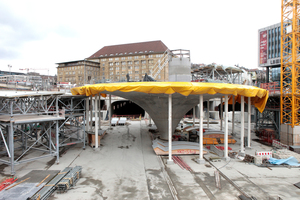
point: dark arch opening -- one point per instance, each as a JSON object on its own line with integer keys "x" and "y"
{"x": 126, "y": 108}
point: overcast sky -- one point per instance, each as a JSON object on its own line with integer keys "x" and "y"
{"x": 37, "y": 34}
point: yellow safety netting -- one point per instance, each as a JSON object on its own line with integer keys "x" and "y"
{"x": 258, "y": 96}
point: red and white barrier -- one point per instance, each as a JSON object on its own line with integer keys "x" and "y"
{"x": 267, "y": 154}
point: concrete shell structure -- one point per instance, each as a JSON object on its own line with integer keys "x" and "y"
{"x": 153, "y": 97}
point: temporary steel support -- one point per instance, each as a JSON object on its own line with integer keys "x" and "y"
{"x": 249, "y": 122}
{"x": 26, "y": 123}
{"x": 170, "y": 161}
{"x": 201, "y": 160}
{"x": 226, "y": 129}
{"x": 72, "y": 129}
{"x": 290, "y": 65}
{"x": 242, "y": 123}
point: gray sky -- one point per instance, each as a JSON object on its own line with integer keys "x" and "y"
{"x": 37, "y": 34}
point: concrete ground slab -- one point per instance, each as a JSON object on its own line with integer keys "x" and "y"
{"x": 126, "y": 167}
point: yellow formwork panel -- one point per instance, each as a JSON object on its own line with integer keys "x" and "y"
{"x": 258, "y": 96}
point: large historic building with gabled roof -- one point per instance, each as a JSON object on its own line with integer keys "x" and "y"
{"x": 118, "y": 63}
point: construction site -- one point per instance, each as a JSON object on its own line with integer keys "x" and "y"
{"x": 173, "y": 130}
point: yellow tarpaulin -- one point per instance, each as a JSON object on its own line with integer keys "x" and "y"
{"x": 258, "y": 96}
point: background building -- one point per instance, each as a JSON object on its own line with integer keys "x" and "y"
{"x": 78, "y": 72}
{"x": 269, "y": 50}
{"x": 134, "y": 59}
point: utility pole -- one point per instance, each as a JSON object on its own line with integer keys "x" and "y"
{"x": 9, "y": 67}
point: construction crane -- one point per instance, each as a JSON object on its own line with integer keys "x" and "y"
{"x": 34, "y": 69}
{"x": 290, "y": 66}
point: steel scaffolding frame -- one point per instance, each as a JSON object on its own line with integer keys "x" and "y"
{"x": 72, "y": 129}
{"x": 28, "y": 120}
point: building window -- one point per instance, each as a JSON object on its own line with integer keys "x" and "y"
{"x": 136, "y": 67}
{"x": 136, "y": 57}
{"x": 129, "y": 58}
{"x": 129, "y": 62}
{"x": 136, "y": 62}
{"x": 123, "y": 63}
{"x": 143, "y": 56}
{"x": 129, "y": 67}
{"x": 117, "y": 63}
{"x": 123, "y": 58}
{"x": 116, "y": 58}
{"x": 150, "y": 61}
{"x": 110, "y": 59}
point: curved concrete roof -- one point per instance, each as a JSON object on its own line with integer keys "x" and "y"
{"x": 153, "y": 97}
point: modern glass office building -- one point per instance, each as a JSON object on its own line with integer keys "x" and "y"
{"x": 269, "y": 50}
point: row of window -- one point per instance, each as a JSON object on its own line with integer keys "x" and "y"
{"x": 130, "y": 57}
{"x": 78, "y": 67}
{"x": 137, "y": 62}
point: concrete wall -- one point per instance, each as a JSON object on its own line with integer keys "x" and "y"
{"x": 180, "y": 70}
{"x": 289, "y": 135}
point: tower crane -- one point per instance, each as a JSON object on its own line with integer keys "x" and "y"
{"x": 290, "y": 66}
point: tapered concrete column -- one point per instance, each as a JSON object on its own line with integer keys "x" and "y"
{"x": 249, "y": 121}
{"x": 96, "y": 122}
{"x": 109, "y": 111}
{"x": 91, "y": 113}
{"x": 226, "y": 130}
{"x": 170, "y": 161}
{"x": 221, "y": 117}
{"x": 99, "y": 111}
{"x": 87, "y": 113}
{"x": 207, "y": 114}
{"x": 201, "y": 160}
{"x": 233, "y": 110}
{"x": 242, "y": 152}
{"x": 194, "y": 110}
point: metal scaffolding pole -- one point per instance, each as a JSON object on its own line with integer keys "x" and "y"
{"x": 242, "y": 124}
{"x": 249, "y": 122}
{"x": 170, "y": 161}
{"x": 226, "y": 129}
{"x": 96, "y": 122}
{"x": 201, "y": 160}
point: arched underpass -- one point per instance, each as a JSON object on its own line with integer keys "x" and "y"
{"x": 127, "y": 108}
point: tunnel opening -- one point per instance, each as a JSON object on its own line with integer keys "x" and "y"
{"x": 127, "y": 109}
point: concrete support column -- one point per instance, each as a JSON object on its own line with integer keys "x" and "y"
{"x": 170, "y": 161}
{"x": 96, "y": 122}
{"x": 249, "y": 121}
{"x": 87, "y": 112}
{"x": 226, "y": 130}
{"x": 201, "y": 160}
{"x": 207, "y": 114}
{"x": 242, "y": 124}
{"x": 109, "y": 111}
